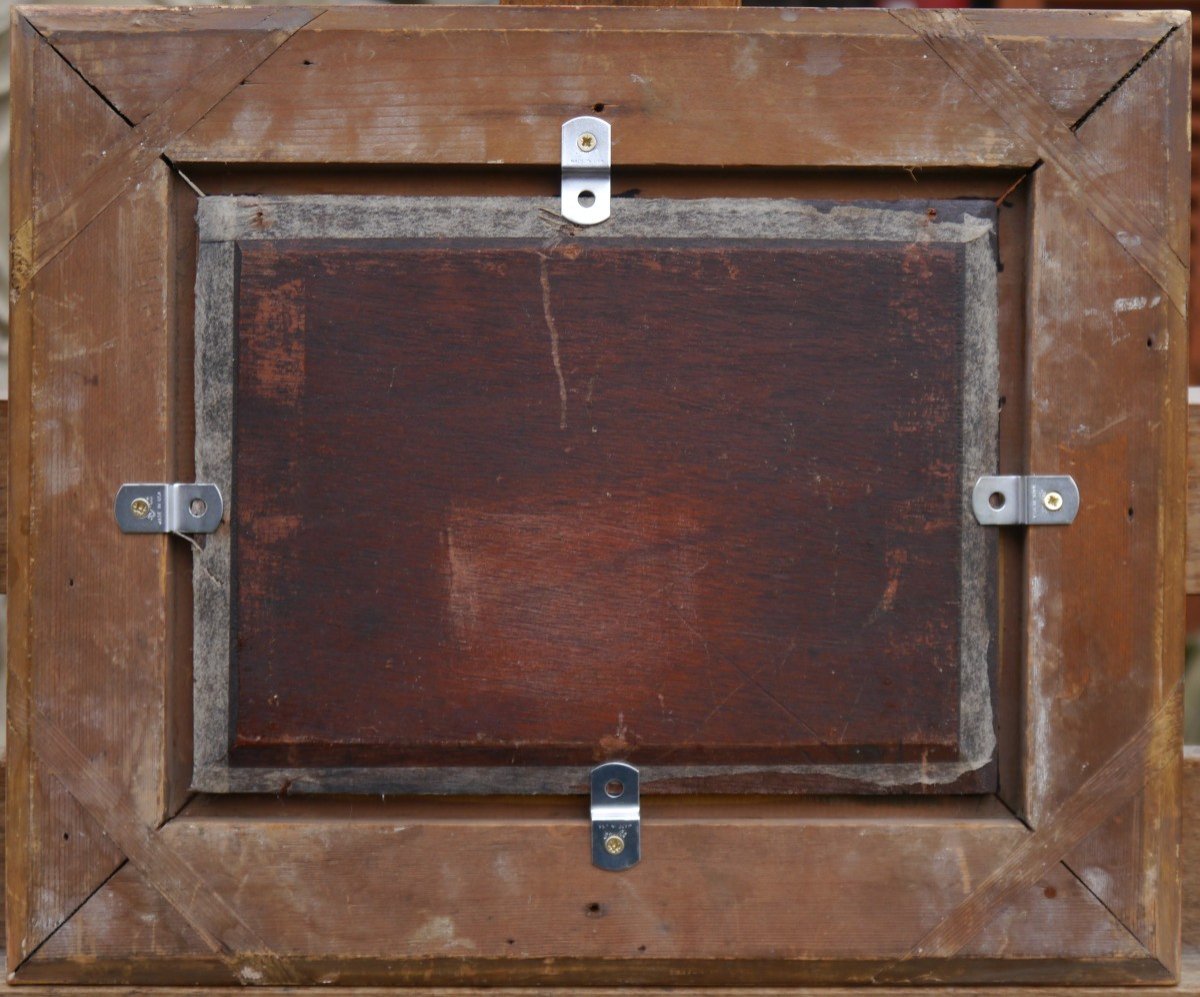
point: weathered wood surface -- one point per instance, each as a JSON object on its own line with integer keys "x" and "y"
{"x": 1097, "y": 660}
{"x": 1189, "y": 986}
{"x": 418, "y": 99}
{"x": 627, "y": 3}
{"x": 100, "y": 692}
{"x": 1193, "y": 493}
{"x": 99, "y": 377}
{"x": 126, "y": 890}
{"x": 612, "y": 519}
{"x": 3, "y": 494}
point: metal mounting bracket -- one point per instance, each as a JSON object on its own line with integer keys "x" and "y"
{"x": 616, "y": 816}
{"x": 1025, "y": 500}
{"x": 173, "y": 508}
{"x": 586, "y": 166}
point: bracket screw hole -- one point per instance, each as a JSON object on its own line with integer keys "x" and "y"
{"x": 140, "y": 507}
{"x": 198, "y": 507}
{"x": 614, "y": 844}
{"x": 1052, "y": 501}
{"x": 586, "y": 142}
{"x": 614, "y": 788}
{"x": 586, "y": 198}
{"x": 996, "y": 500}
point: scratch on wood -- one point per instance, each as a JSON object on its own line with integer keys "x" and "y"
{"x": 544, "y": 274}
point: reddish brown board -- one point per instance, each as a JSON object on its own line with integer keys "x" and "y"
{"x": 503, "y": 502}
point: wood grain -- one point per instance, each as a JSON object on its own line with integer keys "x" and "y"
{"x": 451, "y": 113}
{"x": 3, "y": 495}
{"x": 54, "y": 859}
{"x": 983, "y": 67}
{"x": 1189, "y": 986}
{"x": 550, "y": 481}
{"x": 629, "y": 3}
{"x": 1074, "y": 65}
{"x": 57, "y": 220}
{"x": 1193, "y": 493}
{"x": 1125, "y": 775}
{"x": 422, "y": 890}
{"x": 1144, "y": 835}
{"x": 477, "y": 903}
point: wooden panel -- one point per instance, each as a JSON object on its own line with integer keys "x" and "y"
{"x": 466, "y": 909}
{"x": 134, "y": 65}
{"x": 166, "y": 932}
{"x": 1193, "y": 500}
{"x": 1144, "y": 835}
{"x": 628, "y": 3}
{"x": 432, "y": 104}
{"x": 997, "y": 925}
{"x": 627, "y": 530}
{"x": 1189, "y": 858}
{"x": 1106, "y": 660}
{"x": 3, "y": 495}
{"x": 138, "y": 63}
{"x": 55, "y": 856}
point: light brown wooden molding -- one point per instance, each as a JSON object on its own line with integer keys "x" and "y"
{"x": 3, "y": 495}
{"x": 1193, "y": 492}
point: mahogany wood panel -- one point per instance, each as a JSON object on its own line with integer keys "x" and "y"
{"x": 597, "y": 510}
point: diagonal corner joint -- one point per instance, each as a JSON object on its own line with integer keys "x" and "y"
{"x": 1146, "y": 57}
{"x": 214, "y": 920}
{"x": 1123, "y": 776}
{"x": 985, "y": 70}
{"x": 78, "y": 72}
{"x": 57, "y": 222}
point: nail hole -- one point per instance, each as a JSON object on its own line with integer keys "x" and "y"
{"x": 198, "y": 507}
{"x": 614, "y": 788}
{"x": 996, "y": 500}
{"x": 1050, "y": 892}
{"x": 70, "y": 583}
{"x": 511, "y": 941}
{"x": 587, "y": 198}
{"x": 1150, "y": 343}
{"x": 66, "y": 836}
{"x": 308, "y": 62}
{"x": 641, "y": 948}
{"x": 1003, "y": 401}
{"x": 594, "y": 909}
{"x": 1129, "y": 512}
{"x": 598, "y": 108}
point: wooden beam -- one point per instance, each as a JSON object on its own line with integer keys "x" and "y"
{"x": 1193, "y": 490}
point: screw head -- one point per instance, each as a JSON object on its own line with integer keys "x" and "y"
{"x": 1052, "y": 501}
{"x": 614, "y": 844}
{"x": 140, "y": 507}
{"x": 586, "y": 142}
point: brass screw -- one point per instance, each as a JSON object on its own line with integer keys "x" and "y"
{"x": 140, "y": 508}
{"x": 614, "y": 844}
{"x": 1052, "y": 501}
{"x": 587, "y": 142}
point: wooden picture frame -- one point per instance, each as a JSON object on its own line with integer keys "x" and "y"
{"x": 1075, "y": 124}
